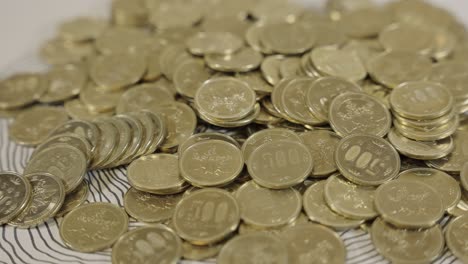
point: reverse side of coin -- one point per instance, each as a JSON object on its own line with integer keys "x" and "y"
{"x": 16, "y": 193}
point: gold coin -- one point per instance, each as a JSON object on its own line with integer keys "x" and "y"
{"x": 143, "y": 97}
{"x": 16, "y": 193}
{"x": 152, "y": 244}
{"x": 409, "y": 204}
{"x": 444, "y": 44}
{"x": 129, "y": 13}
{"x": 160, "y": 131}
{"x": 430, "y": 132}
{"x": 73, "y": 140}
{"x": 64, "y": 82}
{"x": 48, "y": 194}
{"x": 150, "y": 208}
{"x": 74, "y": 199}
{"x": 109, "y": 140}
{"x": 270, "y": 108}
{"x": 322, "y": 145}
{"x": 256, "y": 82}
{"x": 21, "y": 90}
{"x": 354, "y": 113}
{"x": 266, "y": 208}
{"x": 82, "y": 129}
{"x": 154, "y": 67}
{"x": 122, "y": 39}
{"x": 421, "y": 150}
{"x": 253, "y": 38}
{"x": 329, "y": 34}
{"x": 280, "y": 164}
{"x": 365, "y": 22}
{"x": 265, "y": 118}
{"x": 203, "y": 137}
{"x": 58, "y": 52}
{"x": 421, "y": 245}
{"x": 137, "y": 135}
{"x": 338, "y": 8}
{"x": 423, "y": 123}
{"x": 125, "y": 136}
{"x": 272, "y": 11}
{"x": 212, "y": 96}
{"x": 339, "y": 63}
{"x": 364, "y": 49}
{"x": 82, "y": 29}
{"x": 408, "y": 38}
{"x": 445, "y": 185}
{"x": 309, "y": 241}
{"x": 244, "y": 249}
{"x": 189, "y": 76}
{"x": 270, "y": 68}
{"x": 249, "y": 229}
{"x": 32, "y": 126}
{"x": 265, "y": 136}
{"x": 181, "y": 122}
{"x": 421, "y": 100}
{"x": 396, "y": 67}
{"x": 456, "y": 237}
{"x": 290, "y": 67}
{"x": 206, "y": 216}
{"x": 214, "y": 42}
{"x": 157, "y": 173}
{"x": 321, "y": 93}
{"x": 348, "y": 199}
{"x": 149, "y": 131}
{"x": 93, "y": 227}
{"x": 455, "y": 160}
{"x": 77, "y": 110}
{"x": 287, "y": 38}
{"x": 367, "y": 160}
{"x": 211, "y": 163}
{"x": 464, "y": 176}
{"x": 243, "y": 60}
{"x": 233, "y": 123}
{"x": 171, "y": 57}
{"x": 117, "y": 70}
{"x": 201, "y": 253}
{"x": 452, "y": 74}
{"x": 98, "y": 100}
{"x": 318, "y": 211}
{"x": 175, "y": 14}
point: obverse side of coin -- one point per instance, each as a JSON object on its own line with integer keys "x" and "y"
{"x": 348, "y": 199}
{"x": 48, "y": 194}
{"x": 74, "y": 199}
{"x": 409, "y": 204}
{"x": 309, "y": 241}
{"x": 421, "y": 245}
{"x": 63, "y": 161}
{"x": 354, "y": 113}
{"x": 64, "y": 82}
{"x": 322, "y": 145}
{"x": 148, "y": 244}
{"x": 157, "y": 173}
{"x": 189, "y": 76}
{"x": 266, "y": 208}
{"x": 21, "y": 89}
{"x": 206, "y": 216}
{"x": 150, "y": 208}
{"x": 445, "y": 185}
{"x": 93, "y": 227}
{"x": 33, "y": 126}
{"x": 244, "y": 249}
{"x": 181, "y": 122}
{"x": 456, "y": 237}
{"x": 453, "y": 162}
{"x": 318, "y": 211}
{"x": 16, "y": 193}
{"x": 367, "y": 160}
{"x": 243, "y": 60}
{"x": 338, "y": 63}
{"x": 280, "y": 164}
{"x": 211, "y": 163}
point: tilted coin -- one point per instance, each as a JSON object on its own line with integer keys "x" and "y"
{"x": 69, "y": 139}
{"x": 290, "y": 66}
{"x": 171, "y": 57}
{"x": 421, "y": 245}
{"x": 287, "y": 38}
{"x": 64, "y": 82}
{"x": 251, "y": 117}
{"x": 21, "y": 89}
{"x": 211, "y": 163}
{"x": 74, "y": 199}
{"x": 443, "y": 44}
{"x": 322, "y": 145}
{"x": 429, "y": 132}
{"x": 464, "y": 176}
{"x": 409, "y": 204}
{"x": 313, "y": 243}
{"x": 214, "y": 42}
{"x": 256, "y": 82}
{"x": 206, "y": 136}
{"x": 138, "y": 133}
{"x": 266, "y": 208}
{"x": 354, "y": 113}
{"x": 93, "y": 227}
{"x": 280, "y": 164}
{"x": 321, "y": 93}
{"x": 249, "y": 229}
{"x": 33, "y": 126}
{"x": 123, "y": 143}
{"x": 157, "y": 173}
{"x": 109, "y": 140}
{"x": 453, "y": 75}
{"x": 82, "y": 129}
{"x": 153, "y": 71}
{"x": 406, "y": 37}
{"x": 367, "y": 160}
{"x": 244, "y": 249}
{"x": 270, "y": 68}
{"x": 150, "y": 208}
{"x": 265, "y": 118}
{"x": 445, "y": 185}
{"x": 206, "y": 216}
{"x": 189, "y": 76}
{"x": 16, "y": 195}
{"x": 349, "y": 199}
{"x": 48, "y": 194}
{"x": 149, "y": 131}
{"x": 455, "y": 160}
{"x": 82, "y": 29}
{"x": 122, "y": 39}
{"x": 77, "y": 110}
{"x": 253, "y": 38}
{"x": 339, "y": 63}
{"x": 421, "y": 150}
{"x": 456, "y": 237}
{"x": 116, "y": 71}
{"x": 98, "y": 100}
{"x": 143, "y": 97}
{"x": 424, "y": 123}
{"x": 243, "y": 60}
{"x": 58, "y": 52}
{"x": 160, "y": 131}
{"x": 148, "y": 244}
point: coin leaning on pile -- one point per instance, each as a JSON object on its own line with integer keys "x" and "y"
{"x": 254, "y": 126}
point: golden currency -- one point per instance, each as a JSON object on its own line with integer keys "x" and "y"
{"x": 453, "y": 163}
{"x": 74, "y": 199}
{"x": 409, "y": 204}
{"x": 287, "y": 38}
{"x": 456, "y": 237}
{"x": 365, "y": 22}
{"x": 256, "y": 82}
{"x": 189, "y": 76}
{"x": 154, "y": 71}
{"x": 271, "y": 11}
{"x": 136, "y": 142}
{"x": 149, "y": 131}
{"x": 143, "y": 97}
{"x": 203, "y": 137}
{"x": 82, "y": 129}
{"x": 266, "y": 208}
{"x": 82, "y": 29}
{"x": 270, "y": 69}
{"x": 265, "y": 118}
{"x": 339, "y": 63}
{"x": 93, "y": 227}
{"x": 280, "y": 164}
{"x": 194, "y": 252}
{"x": 253, "y": 38}
{"x": 16, "y": 195}
{"x": 421, "y": 245}
{"x": 98, "y": 100}
{"x": 329, "y": 34}
{"x": 367, "y": 160}
{"x": 452, "y": 75}
{"x": 211, "y": 163}
{"x": 64, "y": 82}
{"x": 206, "y": 216}
{"x": 47, "y": 196}
{"x": 109, "y": 140}
{"x": 59, "y": 52}
{"x": 338, "y": 8}
{"x": 322, "y": 145}
{"x": 244, "y": 249}
{"x": 430, "y": 132}
{"x": 122, "y": 39}
{"x": 408, "y": 38}
{"x": 73, "y": 140}
{"x": 214, "y": 42}
{"x": 290, "y": 67}
{"x": 355, "y": 113}
{"x": 150, "y": 208}
{"x": 175, "y": 14}
{"x": 77, "y": 110}
{"x": 348, "y": 199}
{"x": 21, "y": 90}
{"x": 233, "y": 123}
{"x": 32, "y": 126}
{"x": 249, "y": 229}
{"x": 171, "y": 57}
{"x": 443, "y": 45}
{"x": 243, "y": 60}
{"x": 445, "y": 185}
{"x": 464, "y": 176}
{"x": 129, "y": 13}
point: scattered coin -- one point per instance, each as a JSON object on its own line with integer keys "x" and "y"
{"x": 74, "y": 199}
{"x": 21, "y": 90}
{"x": 455, "y": 236}
{"x": 322, "y": 145}
{"x": 16, "y": 192}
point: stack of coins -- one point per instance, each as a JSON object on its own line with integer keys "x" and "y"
{"x": 249, "y": 131}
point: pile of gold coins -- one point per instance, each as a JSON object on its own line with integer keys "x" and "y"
{"x": 252, "y": 131}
